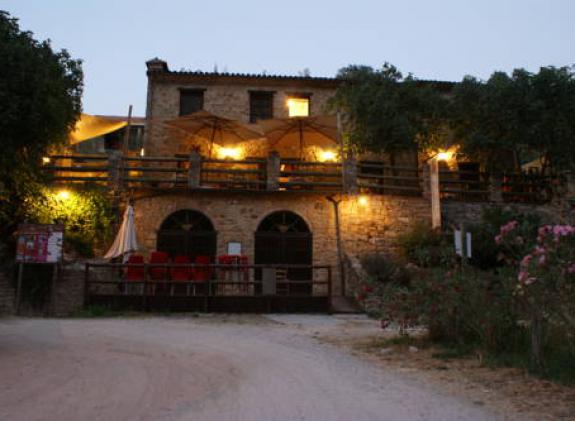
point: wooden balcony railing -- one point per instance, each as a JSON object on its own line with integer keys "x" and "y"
{"x": 192, "y": 172}
{"x": 481, "y": 186}
{"x": 381, "y": 178}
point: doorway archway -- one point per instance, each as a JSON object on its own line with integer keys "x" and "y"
{"x": 284, "y": 238}
{"x": 189, "y": 233}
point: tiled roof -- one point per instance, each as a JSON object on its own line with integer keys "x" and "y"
{"x": 160, "y": 67}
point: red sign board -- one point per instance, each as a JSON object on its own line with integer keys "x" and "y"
{"x": 39, "y": 243}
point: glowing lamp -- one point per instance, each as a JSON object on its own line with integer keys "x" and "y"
{"x": 45, "y": 160}
{"x": 63, "y": 195}
{"x": 142, "y": 152}
{"x": 230, "y": 153}
{"x": 444, "y": 156}
{"x": 327, "y": 156}
{"x": 363, "y": 200}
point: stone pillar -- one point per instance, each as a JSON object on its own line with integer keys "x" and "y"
{"x": 195, "y": 170}
{"x": 495, "y": 188}
{"x": 273, "y": 171}
{"x": 115, "y": 170}
{"x": 434, "y": 193}
{"x": 350, "y": 175}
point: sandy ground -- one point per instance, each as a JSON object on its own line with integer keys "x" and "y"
{"x": 207, "y": 368}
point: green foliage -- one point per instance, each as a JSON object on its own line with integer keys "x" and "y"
{"x": 426, "y": 247}
{"x": 486, "y": 253}
{"x": 87, "y": 215}
{"x": 40, "y": 93}
{"x": 511, "y": 119}
{"x": 385, "y": 112}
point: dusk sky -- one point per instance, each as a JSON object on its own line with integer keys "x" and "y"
{"x": 441, "y": 39}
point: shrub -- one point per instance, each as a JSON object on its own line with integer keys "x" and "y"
{"x": 425, "y": 247}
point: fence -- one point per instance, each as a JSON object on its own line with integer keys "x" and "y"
{"x": 192, "y": 287}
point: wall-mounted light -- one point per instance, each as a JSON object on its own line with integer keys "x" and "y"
{"x": 363, "y": 200}
{"x": 63, "y": 195}
{"x": 45, "y": 160}
{"x": 142, "y": 152}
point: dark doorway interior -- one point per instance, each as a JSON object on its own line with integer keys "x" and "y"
{"x": 188, "y": 233}
{"x": 284, "y": 238}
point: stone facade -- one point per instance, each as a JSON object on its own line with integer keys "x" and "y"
{"x": 226, "y": 95}
{"x": 365, "y": 228}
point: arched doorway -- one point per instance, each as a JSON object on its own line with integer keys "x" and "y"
{"x": 188, "y": 233}
{"x": 284, "y": 238}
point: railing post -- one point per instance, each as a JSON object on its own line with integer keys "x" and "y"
{"x": 115, "y": 170}
{"x": 273, "y": 171}
{"x": 195, "y": 170}
{"x": 426, "y": 182}
{"x": 495, "y": 188}
{"x": 350, "y": 175}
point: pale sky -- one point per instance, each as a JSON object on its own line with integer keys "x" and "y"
{"x": 433, "y": 39}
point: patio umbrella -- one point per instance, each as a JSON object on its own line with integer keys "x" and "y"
{"x": 318, "y": 131}
{"x": 220, "y": 130}
{"x": 125, "y": 241}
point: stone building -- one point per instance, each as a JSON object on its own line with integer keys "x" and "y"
{"x": 276, "y": 225}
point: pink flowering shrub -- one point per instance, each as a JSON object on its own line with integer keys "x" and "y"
{"x": 545, "y": 283}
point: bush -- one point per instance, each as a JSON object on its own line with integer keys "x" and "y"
{"x": 426, "y": 247}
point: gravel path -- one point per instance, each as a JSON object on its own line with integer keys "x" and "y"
{"x": 209, "y": 368}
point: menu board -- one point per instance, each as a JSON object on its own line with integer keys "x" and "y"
{"x": 39, "y": 243}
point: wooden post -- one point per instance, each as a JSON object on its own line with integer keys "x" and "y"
{"x": 338, "y": 244}
{"x": 495, "y": 189}
{"x": 53, "y": 290}
{"x": 126, "y": 140}
{"x": 115, "y": 170}
{"x": 350, "y": 175}
{"x": 434, "y": 192}
{"x": 19, "y": 286}
{"x": 273, "y": 168}
{"x": 195, "y": 170}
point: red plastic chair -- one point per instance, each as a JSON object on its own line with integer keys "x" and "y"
{"x": 158, "y": 273}
{"x": 181, "y": 273}
{"x": 134, "y": 274}
{"x": 203, "y": 273}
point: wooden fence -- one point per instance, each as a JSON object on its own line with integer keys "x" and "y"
{"x": 228, "y": 288}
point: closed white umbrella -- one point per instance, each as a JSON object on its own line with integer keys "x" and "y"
{"x": 125, "y": 241}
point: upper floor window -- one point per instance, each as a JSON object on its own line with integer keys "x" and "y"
{"x": 298, "y": 105}
{"x": 261, "y": 105}
{"x": 191, "y": 100}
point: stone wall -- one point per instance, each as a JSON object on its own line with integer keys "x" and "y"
{"x": 365, "y": 228}
{"x": 225, "y": 96}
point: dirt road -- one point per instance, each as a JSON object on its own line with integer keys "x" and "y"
{"x": 209, "y": 368}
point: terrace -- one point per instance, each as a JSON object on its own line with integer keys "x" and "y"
{"x": 284, "y": 175}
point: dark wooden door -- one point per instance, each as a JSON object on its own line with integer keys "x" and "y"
{"x": 188, "y": 233}
{"x": 283, "y": 238}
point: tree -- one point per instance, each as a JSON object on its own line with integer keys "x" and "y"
{"x": 511, "y": 119}
{"x": 40, "y": 100}
{"x": 385, "y": 112}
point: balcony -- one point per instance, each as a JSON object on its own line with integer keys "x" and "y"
{"x": 271, "y": 174}
{"x": 283, "y": 175}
